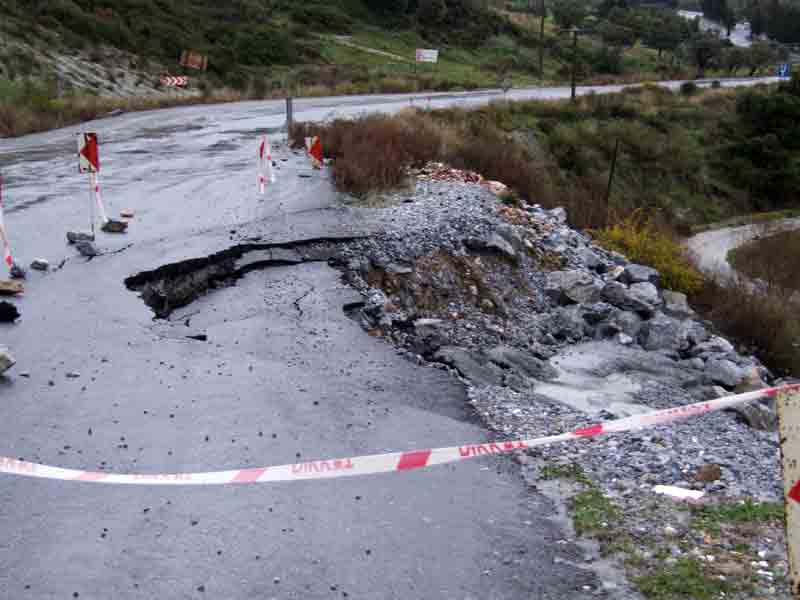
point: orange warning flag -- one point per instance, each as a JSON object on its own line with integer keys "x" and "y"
{"x": 315, "y": 152}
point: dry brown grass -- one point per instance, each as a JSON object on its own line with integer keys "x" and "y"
{"x": 375, "y": 152}
{"x": 764, "y": 322}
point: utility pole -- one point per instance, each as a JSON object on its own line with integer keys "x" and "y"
{"x": 574, "y": 59}
{"x": 611, "y": 175}
{"x": 541, "y": 42}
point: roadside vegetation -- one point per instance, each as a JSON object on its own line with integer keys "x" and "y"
{"x": 684, "y": 159}
{"x": 270, "y": 48}
{"x": 701, "y": 552}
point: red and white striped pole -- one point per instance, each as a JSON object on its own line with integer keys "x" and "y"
{"x": 266, "y": 174}
{"x": 7, "y": 256}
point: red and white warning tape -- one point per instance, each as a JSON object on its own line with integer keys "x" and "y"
{"x": 382, "y": 463}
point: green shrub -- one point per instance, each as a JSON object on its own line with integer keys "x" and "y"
{"x": 265, "y": 46}
{"x": 689, "y": 88}
{"x": 321, "y": 17}
{"x": 643, "y": 243}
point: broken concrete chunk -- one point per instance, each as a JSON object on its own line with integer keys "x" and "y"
{"x": 641, "y": 297}
{"x": 634, "y": 273}
{"x": 114, "y": 226}
{"x": 73, "y": 237}
{"x": 286, "y": 255}
{"x": 87, "y": 249}
{"x": 470, "y": 365}
{"x": 572, "y": 287}
{"x": 495, "y": 243}
{"x": 590, "y": 259}
{"x": 522, "y": 362}
{"x": 40, "y": 264}
{"x": 397, "y": 268}
{"x": 725, "y": 372}
{"x": 11, "y": 288}
{"x": 663, "y": 333}
{"x": 559, "y": 214}
{"x": 716, "y": 345}
{"x": 676, "y": 305}
{"x": 8, "y": 312}
{"x": 6, "y": 360}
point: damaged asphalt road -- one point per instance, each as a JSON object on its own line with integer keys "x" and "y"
{"x": 283, "y": 376}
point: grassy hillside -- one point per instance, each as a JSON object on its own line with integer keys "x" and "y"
{"x": 62, "y": 61}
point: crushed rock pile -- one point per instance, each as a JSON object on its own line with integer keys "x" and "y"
{"x": 551, "y": 332}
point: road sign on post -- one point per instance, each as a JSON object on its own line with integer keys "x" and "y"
{"x": 193, "y": 60}
{"x": 173, "y": 81}
{"x": 785, "y": 70}
{"x": 427, "y": 56}
{"x": 789, "y": 419}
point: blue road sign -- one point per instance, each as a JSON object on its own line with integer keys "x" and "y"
{"x": 784, "y": 70}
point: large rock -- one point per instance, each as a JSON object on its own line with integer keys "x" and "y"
{"x": 8, "y": 312}
{"x": 430, "y": 336}
{"x": 634, "y": 273}
{"x": 559, "y": 214}
{"x": 590, "y": 260}
{"x": 6, "y": 360}
{"x": 572, "y": 287}
{"x": 521, "y": 362}
{"x": 498, "y": 244}
{"x": 663, "y": 333}
{"x": 114, "y": 226}
{"x": 725, "y": 372}
{"x": 597, "y": 312}
{"x": 40, "y": 264}
{"x": 715, "y": 345}
{"x": 470, "y": 365}
{"x": 676, "y": 305}
{"x": 640, "y": 297}
{"x": 87, "y": 249}
{"x": 511, "y": 234}
{"x": 73, "y": 237}
{"x": 695, "y": 332}
{"x": 567, "y": 323}
{"x": 494, "y": 243}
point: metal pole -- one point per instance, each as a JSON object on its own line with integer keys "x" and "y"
{"x": 541, "y": 43}
{"x": 289, "y": 114}
{"x": 611, "y": 174}
{"x": 574, "y": 59}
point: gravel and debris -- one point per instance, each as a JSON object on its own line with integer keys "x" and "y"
{"x": 549, "y": 333}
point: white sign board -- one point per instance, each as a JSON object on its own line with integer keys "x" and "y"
{"x": 789, "y": 417}
{"x": 428, "y": 56}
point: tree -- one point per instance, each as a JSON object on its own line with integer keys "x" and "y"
{"x": 734, "y": 58}
{"x": 569, "y": 13}
{"x": 664, "y": 34}
{"x": 617, "y": 36}
{"x": 388, "y": 7}
{"x": 760, "y": 55}
{"x": 703, "y": 50}
{"x": 763, "y": 154}
{"x": 431, "y": 11}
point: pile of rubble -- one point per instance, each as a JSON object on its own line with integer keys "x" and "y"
{"x": 551, "y": 332}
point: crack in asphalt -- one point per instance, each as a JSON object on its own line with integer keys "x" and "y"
{"x": 297, "y": 302}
